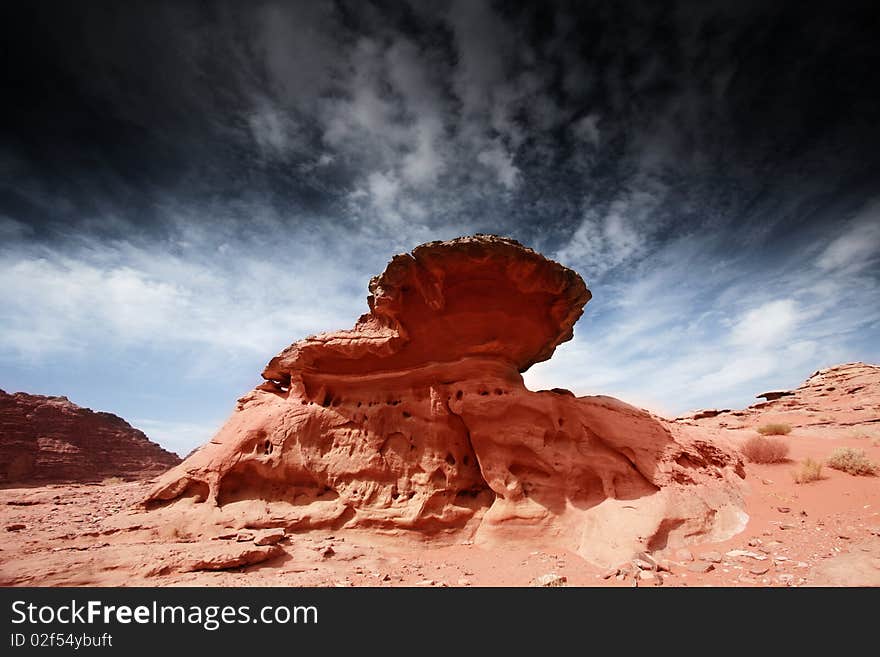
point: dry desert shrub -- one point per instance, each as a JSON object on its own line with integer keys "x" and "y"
{"x": 110, "y": 481}
{"x": 810, "y": 470}
{"x": 774, "y": 430}
{"x": 759, "y": 449}
{"x": 852, "y": 461}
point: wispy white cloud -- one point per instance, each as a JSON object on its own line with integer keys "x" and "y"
{"x": 621, "y": 232}
{"x": 767, "y": 325}
{"x": 220, "y": 295}
{"x": 496, "y": 158}
{"x": 587, "y": 129}
{"x": 859, "y": 245}
{"x": 274, "y": 131}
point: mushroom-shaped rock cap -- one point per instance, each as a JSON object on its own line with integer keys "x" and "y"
{"x": 479, "y": 296}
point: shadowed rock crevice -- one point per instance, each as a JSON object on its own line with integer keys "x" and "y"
{"x": 417, "y": 420}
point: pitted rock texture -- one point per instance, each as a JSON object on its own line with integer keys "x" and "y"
{"x": 417, "y": 421}
{"x": 52, "y": 440}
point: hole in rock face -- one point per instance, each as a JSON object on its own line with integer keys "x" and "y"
{"x": 588, "y": 490}
{"x": 484, "y": 393}
{"x": 466, "y": 459}
{"x": 450, "y": 459}
{"x": 405, "y": 414}
{"x": 525, "y": 471}
{"x": 198, "y": 490}
{"x": 328, "y": 397}
{"x": 459, "y": 394}
{"x": 499, "y": 391}
{"x": 254, "y": 480}
{"x": 267, "y": 448}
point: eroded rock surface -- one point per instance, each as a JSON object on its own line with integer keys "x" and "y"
{"x": 417, "y": 421}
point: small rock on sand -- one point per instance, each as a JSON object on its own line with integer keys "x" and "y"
{"x": 549, "y": 580}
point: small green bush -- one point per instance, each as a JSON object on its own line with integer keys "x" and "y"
{"x": 852, "y": 461}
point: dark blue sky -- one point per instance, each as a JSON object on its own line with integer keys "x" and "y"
{"x": 187, "y": 188}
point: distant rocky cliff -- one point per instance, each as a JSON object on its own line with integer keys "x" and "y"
{"x": 51, "y": 439}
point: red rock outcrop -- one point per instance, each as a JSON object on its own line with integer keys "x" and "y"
{"x": 418, "y": 419}
{"x": 845, "y": 395}
{"x": 50, "y": 439}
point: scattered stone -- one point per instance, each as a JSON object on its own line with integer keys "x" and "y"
{"x": 700, "y": 567}
{"x": 783, "y": 509}
{"x": 641, "y": 564}
{"x": 647, "y": 576}
{"x": 714, "y": 557}
{"x": 15, "y": 527}
{"x": 464, "y": 582}
{"x": 550, "y": 580}
{"x": 328, "y": 552}
{"x": 270, "y": 537}
{"x": 647, "y": 558}
{"x": 683, "y": 554}
{"x": 611, "y": 572}
{"x": 244, "y": 537}
{"x": 220, "y": 556}
{"x": 745, "y": 553}
{"x": 759, "y": 570}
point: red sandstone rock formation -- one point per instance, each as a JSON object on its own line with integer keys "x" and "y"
{"x": 50, "y": 439}
{"x": 418, "y": 419}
